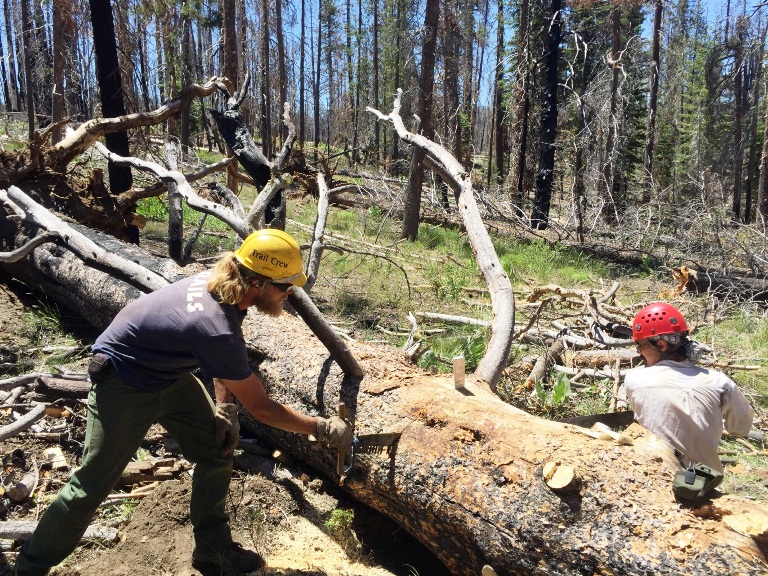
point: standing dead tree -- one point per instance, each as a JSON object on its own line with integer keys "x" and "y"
{"x": 442, "y": 161}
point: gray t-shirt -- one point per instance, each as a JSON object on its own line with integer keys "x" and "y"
{"x": 174, "y": 330}
{"x": 688, "y": 406}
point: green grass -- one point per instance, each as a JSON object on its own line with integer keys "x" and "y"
{"x": 44, "y": 326}
{"x": 471, "y": 344}
{"x": 540, "y": 262}
{"x": 155, "y": 209}
{"x": 742, "y": 338}
{"x": 339, "y": 525}
{"x": 367, "y": 279}
{"x": 747, "y": 476}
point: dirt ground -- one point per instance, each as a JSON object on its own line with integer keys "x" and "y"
{"x": 284, "y": 519}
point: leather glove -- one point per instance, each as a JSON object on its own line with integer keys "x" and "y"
{"x": 335, "y": 432}
{"x": 227, "y": 428}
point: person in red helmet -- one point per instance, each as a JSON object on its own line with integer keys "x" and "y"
{"x": 685, "y": 405}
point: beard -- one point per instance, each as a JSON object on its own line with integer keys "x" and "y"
{"x": 272, "y": 308}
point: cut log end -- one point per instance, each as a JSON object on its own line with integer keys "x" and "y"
{"x": 560, "y": 478}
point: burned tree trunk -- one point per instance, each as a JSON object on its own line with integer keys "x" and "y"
{"x": 466, "y": 477}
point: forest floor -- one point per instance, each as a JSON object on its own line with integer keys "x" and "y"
{"x": 302, "y": 524}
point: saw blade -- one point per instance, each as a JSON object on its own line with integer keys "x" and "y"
{"x": 383, "y": 439}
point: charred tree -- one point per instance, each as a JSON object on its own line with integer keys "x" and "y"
{"x": 412, "y": 207}
{"x": 546, "y": 177}
{"x": 111, "y": 93}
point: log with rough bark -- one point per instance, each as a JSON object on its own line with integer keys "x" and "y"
{"x": 62, "y": 387}
{"x": 729, "y": 286}
{"x": 22, "y": 531}
{"x": 466, "y": 477}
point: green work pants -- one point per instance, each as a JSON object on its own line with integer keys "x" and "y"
{"x": 119, "y": 416}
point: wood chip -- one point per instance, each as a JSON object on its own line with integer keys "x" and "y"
{"x": 558, "y": 477}
{"x": 55, "y": 456}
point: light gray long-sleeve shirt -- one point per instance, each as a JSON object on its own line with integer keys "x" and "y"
{"x": 688, "y": 407}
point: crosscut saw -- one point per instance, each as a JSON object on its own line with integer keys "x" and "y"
{"x": 365, "y": 444}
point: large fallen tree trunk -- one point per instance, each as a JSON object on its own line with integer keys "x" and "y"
{"x": 466, "y": 476}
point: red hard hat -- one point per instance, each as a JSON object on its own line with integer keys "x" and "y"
{"x": 657, "y": 319}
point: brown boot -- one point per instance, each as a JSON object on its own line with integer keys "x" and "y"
{"x": 233, "y": 559}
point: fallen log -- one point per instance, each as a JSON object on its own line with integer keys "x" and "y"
{"x": 22, "y": 531}
{"x": 738, "y": 287}
{"x": 62, "y": 387}
{"x": 466, "y": 477}
{"x": 23, "y": 423}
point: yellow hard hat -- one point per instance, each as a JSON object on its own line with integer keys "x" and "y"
{"x": 273, "y": 253}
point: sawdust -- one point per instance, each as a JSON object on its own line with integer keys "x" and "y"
{"x": 282, "y": 521}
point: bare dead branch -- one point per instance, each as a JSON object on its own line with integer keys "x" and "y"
{"x": 82, "y": 246}
{"x": 491, "y": 366}
{"x": 316, "y": 249}
{"x": 19, "y": 253}
{"x": 23, "y": 423}
{"x": 185, "y": 190}
{"x": 131, "y": 196}
{"x": 78, "y": 141}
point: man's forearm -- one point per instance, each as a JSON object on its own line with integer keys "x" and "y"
{"x": 250, "y": 392}
{"x": 222, "y": 393}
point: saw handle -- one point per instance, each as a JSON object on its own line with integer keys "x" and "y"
{"x": 342, "y": 452}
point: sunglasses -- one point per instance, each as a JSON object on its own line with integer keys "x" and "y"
{"x": 284, "y": 288}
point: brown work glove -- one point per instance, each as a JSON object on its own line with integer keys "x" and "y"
{"x": 227, "y": 428}
{"x": 334, "y": 432}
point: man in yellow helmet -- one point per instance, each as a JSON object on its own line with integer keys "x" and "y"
{"x": 142, "y": 372}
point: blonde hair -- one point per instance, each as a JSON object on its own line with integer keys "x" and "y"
{"x": 227, "y": 280}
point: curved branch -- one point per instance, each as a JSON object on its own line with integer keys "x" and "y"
{"x": 11, "y": 430}
{"x": 495, "y": 359}
{"x": 339, "y": 350}
{"x": 185, "y": 190}
{"x": 259, "y": 206}
{"x": 19, "y": 253}
{"x": 129, "y": 197}
{"x": 78, "y": 141}
{"x": 282, "y": 158}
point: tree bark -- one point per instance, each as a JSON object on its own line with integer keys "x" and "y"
{"x": 499, "y": 132}
{"x": 302, "y": 51}
{"x": 266, "y": 81}
{"x": 61, "y": 25}
{"x": 282, "y": 75}
{"x": 460, "y": 479}
{"x": 111, "y": 97}
{"x": 546, "y": 176}
{"x": 12, "y": 52}
{"x": 738, "y": 122}
{"x": 607, "y": 182}
{"x": 316, "y": 85}
{"x": 229, "y": 64}
{"x": 412, "y": 205}
{"x": 28, "y": 57}
{"x": 762, "y": 185}
{"x": 175, "y": 206}
{"x": 650, "y": 132}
